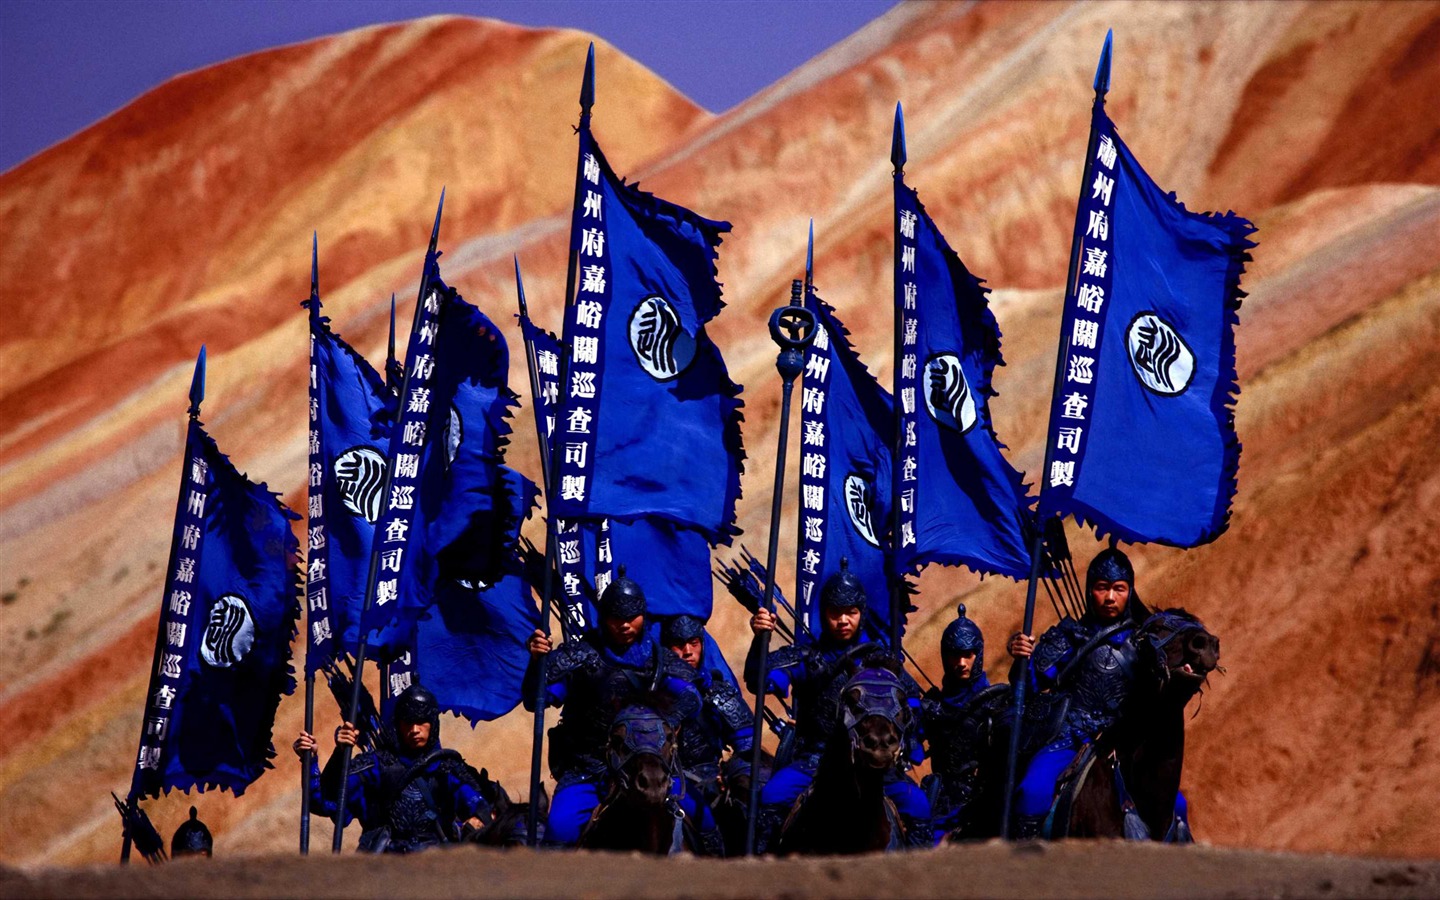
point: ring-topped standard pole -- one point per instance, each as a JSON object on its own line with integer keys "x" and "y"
{"x": 793, "y": 328}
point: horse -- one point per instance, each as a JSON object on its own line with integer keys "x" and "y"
{"x": 506, "y": 823}
{"x": 845, "y": 810}
{"x": 641, "y": 810}
{"x": 1125, "y": 785}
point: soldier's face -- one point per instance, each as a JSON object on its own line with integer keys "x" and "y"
{"x": 414, "y": 735}
{"x": 623, "y": 632}
{"x": 1108, "y": 599}
{"x": 961, "y": 665}
{"x": 842, "y": 622}
{"x": 689, "y": 651}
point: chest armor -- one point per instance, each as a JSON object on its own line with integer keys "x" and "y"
{"x": 597, "y": 692}
{"x": 818, "y": 699}
{"x": 959, "y": 735}
{"x": 1099, "y": 686}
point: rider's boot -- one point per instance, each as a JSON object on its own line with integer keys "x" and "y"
{"x": 767, "y": 827}
{"x": 1029, "y": 828}
{"x": 712, "y": 843}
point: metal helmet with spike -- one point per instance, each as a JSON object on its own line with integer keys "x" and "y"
{"x": 623, "y": 599}
{"x": 843, "y": 589}
{"x": 192, "y": 838}
{"x": 963, "y": 636}
{"x": 1110, "y": 564}
{"x": 680, "y": 630}
{"x": 416, "y": 704}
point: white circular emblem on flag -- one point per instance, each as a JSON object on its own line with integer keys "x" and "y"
{"x": 858, "y": 499}
{"x": 947, "y": 393}
{"x": 660, "y": 342}
{"x": 229, "y": 632}
{"x": 1161, "y": 360}
{"x": 360, "y": 478}
{"x": 454, "y": 434}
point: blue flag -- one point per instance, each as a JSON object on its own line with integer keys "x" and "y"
{"x": 846, "y": 427}
{"x": 639, "y": 355}
{"x": 350, "y": 414}
{"x": 471, "y": 650}
{"x": 1142, "y": 441}
{"x": 230, "y": 612}
{"x": 671, "y": 564}
{"x": 961, "y": 503}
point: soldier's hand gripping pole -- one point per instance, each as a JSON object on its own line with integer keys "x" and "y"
{"x": 792, "y": 327}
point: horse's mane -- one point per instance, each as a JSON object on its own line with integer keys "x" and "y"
{"x": 886, "y": 661}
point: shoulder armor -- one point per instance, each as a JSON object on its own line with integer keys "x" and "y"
{"x": 570, "y": 657}
{"x": 786, "y": 657}
{"x": 728, "y": 702}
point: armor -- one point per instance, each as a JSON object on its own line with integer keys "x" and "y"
{"x": 623, "y": 599}
{"x": 192, "y": 838}
{"x": 843, "y": 590}
{"x": 417, "y": 704}
{"x": 959, "y": 721}
{"x": 680, "y": 630}
{"x": 724, "y": 719}
{"x": 820, "y": 671}
{"x": 1109, "y": 565}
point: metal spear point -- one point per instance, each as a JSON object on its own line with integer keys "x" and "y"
{"x": 897, "y": 141}
{"x": 197, "y": 384}
{"x": 793, "y": 328}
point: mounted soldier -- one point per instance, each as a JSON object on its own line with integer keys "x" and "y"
{"x": 816, "y": 673}
{"x": 723, "y": 721}
{"x": 408, "y": 792}
{"x": 591, "y": 678}
{"x": 1087, "y": 668}
{"x": 959, "y": 720}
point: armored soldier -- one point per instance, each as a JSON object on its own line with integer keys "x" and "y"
{"x": 408, "y": 793}
{"x": 959, "y": 720}
{"x": 591, "y": 678}
{"x": 816, "y": 673}
{"x": 192, "y": 838}
{"x": 724, "y": 720}
{"x": 1090, "y": 666}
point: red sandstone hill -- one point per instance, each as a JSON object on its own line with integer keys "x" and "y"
{"x": 185, "y": 218}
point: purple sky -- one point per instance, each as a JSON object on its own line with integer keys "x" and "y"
{"x": 66, "y": 63}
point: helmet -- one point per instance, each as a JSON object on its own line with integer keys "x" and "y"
{"x": 192, "y": 838}
{"x": 1110, "y": 565}
{"x": 623, "y": 599}
{"x": 680, "y": 630}
{"x": 417, "y": 704}
{"x": 842, "y": 589}
{"x": 962, "y": 635}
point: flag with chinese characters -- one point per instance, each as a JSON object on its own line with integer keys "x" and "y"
{"x": 1142, "y": 441}
{"x": 471, "y": 651}
{"x": 670, "y": 563}
{"x": 447, "y": 498}
{"x": 961, "y": 502}
{"x": 650, "y": 420}
{"x": 231, "y": 607}
{"x": 350, "y": 414}
{"x": 846, "y": 429}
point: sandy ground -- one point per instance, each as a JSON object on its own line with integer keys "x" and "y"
{"x": 992, "y": 870}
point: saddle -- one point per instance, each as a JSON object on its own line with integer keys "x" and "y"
{"x": 1067, "y": 788}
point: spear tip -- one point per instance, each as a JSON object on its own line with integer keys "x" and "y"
{"x": 810, "y": 256}
{"x": 587, "y": 87}
{"x": 314, "y": 264}
{"x": 897, "y": 140}
{"x": 197, "y": 383}
{"x": 1102, "y": 71}
{"x": 435, "y": 232}
{"x": 392, "y": 327}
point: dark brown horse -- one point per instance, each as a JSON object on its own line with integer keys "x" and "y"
{"x": 1146, "y": 747}
{"x": 640, "y": 810}
{"x": 845, "y": 810}
{"x": 504, "y": 825}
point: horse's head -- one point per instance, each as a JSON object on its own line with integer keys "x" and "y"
{"x": 641, "y": 753}
{"x": 1179, "y": 648}
{"x": 875, "y": 716}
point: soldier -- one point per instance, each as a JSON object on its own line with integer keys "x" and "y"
{"x": 959, "y": 720}
{"x": 817, "y": 672}
{"x": 724, "y": 721}
{"x": 192, "y": 838}
{"x": 1092, "y": 663}
{"x": 408, "y": 793}
{"x": 590, "y": 678}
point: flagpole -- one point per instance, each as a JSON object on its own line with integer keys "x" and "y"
{"x": 898, "y": 157}
{"x": 792, "y": 327}
{"x": 307, "y": 758}
{"x": 1102, "y": 86}
{"x": 197, "y": 394}
{"x": 547, "y": 595}
{"x": 348, "y": 749}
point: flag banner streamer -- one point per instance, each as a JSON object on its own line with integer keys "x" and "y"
{"x": 1142, "y": 428}
{"x": 671, "y": 564}
{"x": 961, "y": 502}
{"x": 846, "y": 429}
{"x": 471, "y": 651}
{"x": 231, "y": 611}
{"x": 350, "y": 415}
{"x": 639, "y": 355}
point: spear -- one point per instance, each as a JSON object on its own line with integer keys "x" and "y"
{"x": 792, "y": 327}
{"x": 898, "y": 157}
{"x": 307, "y": 758}
{"x": 547, "y": 595}
{"x": 197, "y": 394}
{"x": 431, "y": 256}
{"x": 1102, "y": 86}
{"x": 393, "y": 373}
